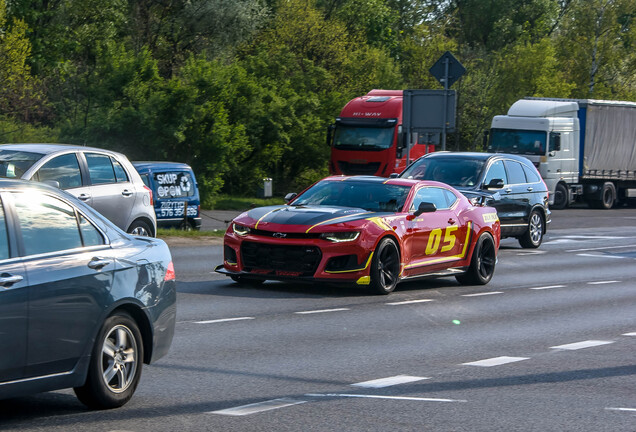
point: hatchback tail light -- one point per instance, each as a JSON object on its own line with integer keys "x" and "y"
{"x": 170, "y": 274}
{"x": 150, "y": 194}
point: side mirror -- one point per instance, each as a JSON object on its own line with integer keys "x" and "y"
{"x": 495, "y": 184}
{"x": 394, "y": 175}
{"x": 54, "y": 183}
{"x": 330, "y": 129}
{"x": 290, "y": 196}
{"x": 424, "y": 207}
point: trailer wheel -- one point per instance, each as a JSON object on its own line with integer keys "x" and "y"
{"x": 608, "y": 197}
{"x": 561, "y": 197}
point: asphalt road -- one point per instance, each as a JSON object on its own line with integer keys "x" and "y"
{"x": 548, "y": 345}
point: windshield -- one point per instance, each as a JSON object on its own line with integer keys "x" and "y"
{"x": 363, "y": 138}
{"x": 377, "y": 197}
{"x": 14, "y": 163}
{"x": 453, "y": 171}
{"x": 527, "y": 142}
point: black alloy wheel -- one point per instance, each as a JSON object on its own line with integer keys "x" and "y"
{"x": 385, "y": 267}
{"x": 482, "y": 263}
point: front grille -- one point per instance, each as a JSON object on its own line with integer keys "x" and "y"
{"x": 284, "y": 258}
{"x": 358, "y": 169}
{"x": 286, "y": 235}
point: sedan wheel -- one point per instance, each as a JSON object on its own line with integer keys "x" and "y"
{"x": 140, "y": 228}
{"x": 533, "y": 237}
{"x": 385, "y": 267}
{"x": 482, "y": 263}
{"x": 115, "y": 365}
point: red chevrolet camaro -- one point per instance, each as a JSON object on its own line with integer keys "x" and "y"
{"x": 369, "y": 231}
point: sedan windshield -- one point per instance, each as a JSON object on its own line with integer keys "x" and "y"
{"x": 453, "y": 171}
{"x": 377, "y": 197}
{"x": 363, "y": 138}
{"x": 14, "y": 163}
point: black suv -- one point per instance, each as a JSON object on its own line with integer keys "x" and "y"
{"x": 507, "y": 182}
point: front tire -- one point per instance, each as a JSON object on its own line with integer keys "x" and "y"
{"x": 115, "y": 366}
{"x": 385, "y": 267}
{"x": 533, "y": 236}
{"x": 482, "y": 263}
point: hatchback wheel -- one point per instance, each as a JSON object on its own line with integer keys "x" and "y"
{"x": 115, "y": 365}
{"x": 533, "y": 236}
{"x": 140, "y": 228}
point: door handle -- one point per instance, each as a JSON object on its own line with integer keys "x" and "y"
{"x": 508, "y": 190}
{"x": 97, "y": 263}
{"x": 126, "y": 192}
{"x": 6, "y": 279}
{"x": 451, "y": 221}
{"x": 530, "y": 189}
{"x": 84, "y": 196}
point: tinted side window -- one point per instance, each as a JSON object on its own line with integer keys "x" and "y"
{"x": 433, "y": 195}
{"x": 47, "y": 224}
{"x": 531, "y": 174}
{"x": 496, "y": 171}
{"x": 4, "y": 241}
{"x": 515, "y": 172}
{"x": 100, "y": 168}
{"x": 120, "y": 173}
{"x": 63, "y": 169}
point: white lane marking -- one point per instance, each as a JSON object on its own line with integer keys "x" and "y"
{"x": 581, "y": 345}
{"x": 629, "y": 334}
{"x": 600, "y": 248}
{"x": 548, "y": 287}
{"x": 258, "y": 407}
{"x": 600, "y": 256}
{"x": 390, "y": 381}
{"x": 224, "y": 320}
{"x": 603, "y": 282}
{"x": 409, "y": 302}
{"x": 383, "y": 397}
{"x": 496, "y": 361}
{"x": 535, "y": 252}
{"x": 621, "y": 409}
{"x": 482, "y": 294}
{"x": 321, "y": 311}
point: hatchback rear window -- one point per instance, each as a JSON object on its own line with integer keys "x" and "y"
{"x": 173, "y": 184}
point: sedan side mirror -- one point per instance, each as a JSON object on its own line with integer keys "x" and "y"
{"x": 424, "y": 207}
{"x": 495, "y": 184}
{"x": 290, "y": 196}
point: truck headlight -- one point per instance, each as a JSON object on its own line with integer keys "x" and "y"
{"x": 338, "y": 237}
{"x": 240, "y": 229}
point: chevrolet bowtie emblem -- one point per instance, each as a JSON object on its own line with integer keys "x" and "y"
{"x": 279, "y": 235}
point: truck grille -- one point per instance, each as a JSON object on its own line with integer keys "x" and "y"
{"x": 301, "y": 259}
{"x": 358, "y": 169}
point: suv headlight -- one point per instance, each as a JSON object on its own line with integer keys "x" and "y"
{"x": 240, "y": 229}
{"x": 337, "y": 237}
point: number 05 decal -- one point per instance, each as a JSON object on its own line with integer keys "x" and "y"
{"x": 435, "y": 238}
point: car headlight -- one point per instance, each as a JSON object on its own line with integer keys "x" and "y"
{"x": 240, "y": 229}
{"x": 337, "y": 237}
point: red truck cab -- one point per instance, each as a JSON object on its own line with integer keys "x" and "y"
{"x": 367, "y": 137}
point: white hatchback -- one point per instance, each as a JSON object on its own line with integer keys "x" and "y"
{"x": 103, "y": 179}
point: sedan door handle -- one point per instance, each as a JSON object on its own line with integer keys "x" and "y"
{"x": 508, "y": 190}
{"x": 530, "y": 188}
{"x": 126, "y": 192}
{"x": 84, "y": 197}
{"x": 97, "y": 263}
{"x": 6, "y": 279}
{"x": 451, "y": 221}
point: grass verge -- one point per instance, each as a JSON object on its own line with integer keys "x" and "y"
{"x": 172, "y": 232}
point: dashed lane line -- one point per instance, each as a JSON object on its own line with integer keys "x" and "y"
{"x": 495, "y": 361}
{"x": 548, "y": 287}
{"x": 390, "y": 381}
{"x": 347, "y": 395}
{"x": 407, "y": 302}
{"x": 629, "y": 334}
{"x": 603, "y": 282}
{"x": 482, "y": 294}
{"x": 601, "y": 248}
{"x": 321, "y": 311}
{"x": 224, "y": 320}
{"x": 600, "y": 256}
{"x": 582, "y": 345}
{"x": 622, "y": 409}
{"x": 258, "y": 407}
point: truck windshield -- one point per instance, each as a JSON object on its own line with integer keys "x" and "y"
{"x": 363, "y": 138}
{"x": 527, "y": 142}
{"x": 14, "y": 163}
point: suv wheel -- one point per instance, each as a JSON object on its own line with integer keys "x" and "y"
{"x": 533, "y": 236}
